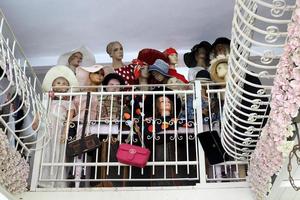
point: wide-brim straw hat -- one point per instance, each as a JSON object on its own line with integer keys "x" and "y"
{"x": 88, "y": 58}
{"x": 59, "y": 71}
{"x": 213, "y": 70}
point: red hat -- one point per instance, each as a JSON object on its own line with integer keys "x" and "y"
{"x": 170, "y": 51}
{"x": 149, "y": 56}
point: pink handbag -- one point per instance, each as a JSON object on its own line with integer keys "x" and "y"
{"x": 133, "y": 155}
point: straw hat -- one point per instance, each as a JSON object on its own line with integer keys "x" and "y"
{"x": 213, "y": 69}
{"x": 56, "y": 72}
{"x": 87, "y": 60}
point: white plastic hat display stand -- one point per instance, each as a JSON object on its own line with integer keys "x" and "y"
{"x": 259, "y": 31}
{"x": 20, "y": 94}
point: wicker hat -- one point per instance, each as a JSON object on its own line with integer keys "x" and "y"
{"x": 213, "y": 69}
{"x": 87, "y": 60}
{"x": 56, "y": 72}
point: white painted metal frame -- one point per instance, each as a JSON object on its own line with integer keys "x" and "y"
{"x": 19, "y": 83}
{"x": 259, "y": 30}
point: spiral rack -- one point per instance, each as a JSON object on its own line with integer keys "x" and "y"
{"x": 20, "y": 92}
{"x": 259, "y": 31}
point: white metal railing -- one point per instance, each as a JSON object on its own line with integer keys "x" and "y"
{"x": 20, "y": 94}
{"x": 176, "y": 155}
{"x": 259, "y": 32}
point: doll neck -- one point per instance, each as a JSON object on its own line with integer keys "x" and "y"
{"x": 117, "y": 63}
{"x": 172, "y": 66}
{"x": 143, "y": 81}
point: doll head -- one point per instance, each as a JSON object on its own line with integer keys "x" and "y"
{"x": 163, "y": 106}
{"x": 75, "y": 59}
{"x": 81, "y": 56}
{"x": 219, "y": 70}
{"x": 59, "y": 83}
{"x": 59, "y": 75}
{"x": 172, "y": 55}
{"x": 115, "y": 50}
{"x": 221, "y": 47}
{"x": 163, "y": 103}
{"x": 199, "y": 55}
{"x": 113, "y": 81}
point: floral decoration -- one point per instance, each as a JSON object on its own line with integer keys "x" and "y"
{"x": 273, "y": 146}
{"x": 14, "y": 170}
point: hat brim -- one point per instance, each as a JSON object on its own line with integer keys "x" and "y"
{"x": 110, "y": 76}
{"x": 157, "y": 69}
{"x": 189, "y": 59}
{"x": 93, "y": 68}
{"x": 148, "y": 104}
{"x": 56, "y": 72}
{"x": 87, "y": 60}
{"x": 149, "y": 56}
{"x": 221, "y": 40}
{"x": 213, "y": 69}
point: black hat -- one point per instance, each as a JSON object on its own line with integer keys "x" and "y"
{"x": 189, "y": 58}
{"x": 148, "y": 104}
{"x": 221, "y": 40}
{"x": 203, "y": 75}
{"x": 110, "y": 76}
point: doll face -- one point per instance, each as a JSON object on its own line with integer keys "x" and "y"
{"x": 117, "y": 51}
{"x": 173, "y": 58}
{"x": 144, "y": 71}
{"x": 222, "y": 69}
{"x": 200, "y": 56}
{"x": 97, "y": 77}
{"x": 163, "y": 105}
{"x": 158, "y": 76}
{"x": 59, "y": 82}
{"x": 221, "y": 49}
{"x": 112, "y": 83}
{"x": 174, "y": 81}
{"x": 75, "y": 59}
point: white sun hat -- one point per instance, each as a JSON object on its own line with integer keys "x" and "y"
{"x": 93, "y": 68}
{"x": 59, "y": 71}
{"x": 87, "y": 60}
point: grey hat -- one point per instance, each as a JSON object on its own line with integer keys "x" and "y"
{"x": 161, "y": 67}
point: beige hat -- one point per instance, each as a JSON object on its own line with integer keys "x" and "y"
{"x": 87, "y": 60}
{"x": 213, "y": 69}
{"x": 59, "y": 71}
{"x": 82, "y": 73}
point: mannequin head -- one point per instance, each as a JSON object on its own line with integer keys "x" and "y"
{"x": 222, "y": 69}
{"x": 219, "y": 71}
{"x": 113, "y": 85}
{"x": 201, "y": 57}
{"x": 115, "y": 50}
{"x": 172, "y": 55}
{"x": 60, "y": 82}
{"x": 221, "y": 46}
{"x": 163, "y": 106}
{"x": 144, "y": 71}
{"x": 75, "y": 59}
{"x": 96, "y": 78}
{"x": 112, "y": 81}
{"x": 173, "y": 81}
{"x": 221, "y": 49}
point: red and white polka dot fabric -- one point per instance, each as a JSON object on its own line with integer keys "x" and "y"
{"x": 126, "y": 72}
